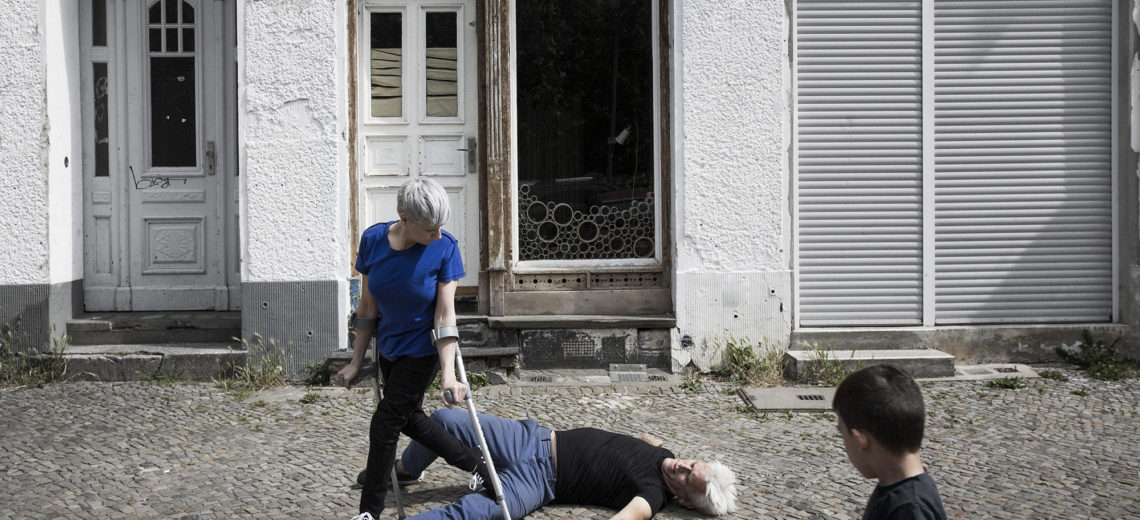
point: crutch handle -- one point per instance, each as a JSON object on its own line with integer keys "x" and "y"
{"x": 450, "y": 398}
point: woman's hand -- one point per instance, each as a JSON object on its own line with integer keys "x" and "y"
{"x": 458, "y": 391}
{"x": 347, "y": 375}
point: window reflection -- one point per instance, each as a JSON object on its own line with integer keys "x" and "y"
{"x": 386, "y": 67}
{"x": 585, "y": 130}
{"x": 441, "y": 92}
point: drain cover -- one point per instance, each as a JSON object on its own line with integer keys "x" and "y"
{"x": 810, "y": 397}
{"x": 1006, "y": 370}
{"x": 628, "y": 372}
{"x": 540, "y": 379}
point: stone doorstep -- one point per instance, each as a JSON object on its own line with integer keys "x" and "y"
{"x": 918, "y": 363}
{"x": 189, "y": 361}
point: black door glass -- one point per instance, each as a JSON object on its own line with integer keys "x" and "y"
{"x": 173, "y": 128}
{"x": 99, "y": 77}
{"x": 99, "y": 23}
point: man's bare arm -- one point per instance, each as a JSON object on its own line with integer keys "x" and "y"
{"x": 653, "y": 441}
{"x": 636, "y": 509}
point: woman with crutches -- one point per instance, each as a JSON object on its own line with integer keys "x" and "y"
{"x": 409, "y": 270}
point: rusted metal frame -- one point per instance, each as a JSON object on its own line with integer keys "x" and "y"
{"x": 353, "y": 132}
{"x": 495, "y": 130}
{"x": 665, "y": 102}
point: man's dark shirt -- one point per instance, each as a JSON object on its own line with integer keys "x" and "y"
{"x": 596, "y": 467}
{"x": 912, "y": 498}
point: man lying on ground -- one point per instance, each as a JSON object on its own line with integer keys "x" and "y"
{"x": 586, "y": 466}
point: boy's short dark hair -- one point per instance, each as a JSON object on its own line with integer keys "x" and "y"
{"x": 886, "y": 403}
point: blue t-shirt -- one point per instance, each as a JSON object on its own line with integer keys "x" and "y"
{"x": 403, "y": 283}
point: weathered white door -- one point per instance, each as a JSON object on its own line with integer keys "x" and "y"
{"x": 417, "y": 111}
{"x": 167, "y": 190}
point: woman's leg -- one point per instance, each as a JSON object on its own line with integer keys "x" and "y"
{"x": 405, "y": 381}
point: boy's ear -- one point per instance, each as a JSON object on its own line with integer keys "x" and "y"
{"x": 862, "y": 440}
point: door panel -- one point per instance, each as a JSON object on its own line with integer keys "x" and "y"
{"x": 170, "y": 190}
{"x": 419, "y": 116}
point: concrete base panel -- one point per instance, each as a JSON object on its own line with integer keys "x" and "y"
{"x": 42, "y": 310}
{"x": 301, "y": 317}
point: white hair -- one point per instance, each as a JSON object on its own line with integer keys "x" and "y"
{"x": 423, "y": 201}
{"x": 720, "y": 491}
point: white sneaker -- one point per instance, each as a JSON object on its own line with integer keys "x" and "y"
{"x": 475, "y": 484}
{"x": 363, "y": 516}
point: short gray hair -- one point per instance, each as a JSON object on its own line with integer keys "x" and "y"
{"x": 423, "y": 201}
{"x": 720, "y": 491}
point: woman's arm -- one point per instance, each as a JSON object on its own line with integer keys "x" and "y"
{"x": 365, "y": 309}
{"x": 445, "y": 316}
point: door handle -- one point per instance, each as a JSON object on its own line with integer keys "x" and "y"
{"x": 211, "y": 158}
{"x": 470, "y": 149}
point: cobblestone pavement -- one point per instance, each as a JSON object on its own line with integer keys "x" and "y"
{"x": 136, "y": 450}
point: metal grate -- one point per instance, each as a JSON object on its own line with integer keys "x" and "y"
{"x": 539, "y": 379}
{"x": 809, "y": 397}
{"x": 657, "y": 377}
{"x": 579, "y": 348}
{"x": 1006, "y": 370}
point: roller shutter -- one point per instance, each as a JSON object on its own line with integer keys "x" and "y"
{"x": 1023, "y": 144}
{"x": 859, "y": 162}
{"x": 1020, "y": 211}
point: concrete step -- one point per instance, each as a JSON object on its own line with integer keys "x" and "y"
{"x": 142, "y": 362}
{"x": 799, "y": 364}
{"x": 125, "y": 328}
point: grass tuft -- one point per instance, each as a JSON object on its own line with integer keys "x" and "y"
{"x": 748, "y": 364}
{"x": 1008, "y": 383}
{"x": 264, "y": 368}
{"x": 24, "y": 365}
{"x": 1100, "y": 360}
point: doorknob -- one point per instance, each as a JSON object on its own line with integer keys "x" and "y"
{"x": 211, "y": 158}
{"x": 470, "y": 149}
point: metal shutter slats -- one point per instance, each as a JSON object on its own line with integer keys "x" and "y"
{"x": 1023, "y": 220}
{"x": 859, "y": 102}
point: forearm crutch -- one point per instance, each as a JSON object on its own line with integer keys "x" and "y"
{"x": 492, "y": 474}
{"x": 372, "y": 372}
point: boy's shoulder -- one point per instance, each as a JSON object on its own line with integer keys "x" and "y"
{"x": 912, "y": 498}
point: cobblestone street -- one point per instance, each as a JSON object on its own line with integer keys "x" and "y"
{"x": 137, "y": 450}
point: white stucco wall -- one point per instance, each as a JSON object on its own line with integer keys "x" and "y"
{"x": 294, "y": 214}
{"x": 731, "y": 203}
{"x": 65, "y": 151}
{"x": 23, "y": 145}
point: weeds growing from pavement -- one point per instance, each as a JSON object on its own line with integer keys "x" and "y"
{"x": 475, "y": 380}
{"x": 692, "y": 382}
{"x": 319, "y": 373}
{"x": 309, "y": 398}
{"x": 1055, "y": 375}
{"x": 264, "y": 368}
{"x": 163, "y": 379}
{"x": 1008, "y": 383}
{"x": 826, "y": 369}
{"x": 1100, "y": 360}
{"x": 748, "y": 364}
{"x": 22, "y": 364}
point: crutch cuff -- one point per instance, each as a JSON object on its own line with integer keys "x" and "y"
{"x": 446, "y": 331}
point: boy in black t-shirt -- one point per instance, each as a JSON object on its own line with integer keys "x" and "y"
{"x": 881, "y": 417}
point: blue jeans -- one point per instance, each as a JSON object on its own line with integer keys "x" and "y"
{"x": 522, "y": 455}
